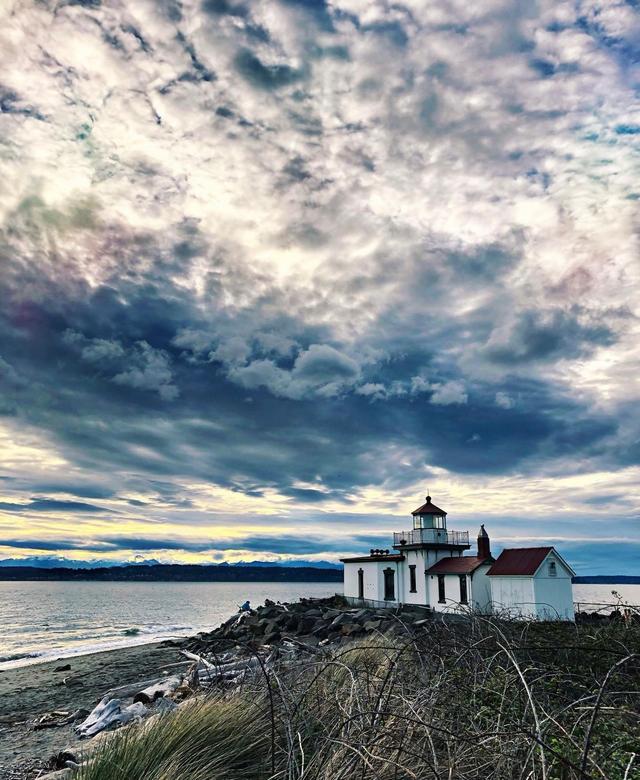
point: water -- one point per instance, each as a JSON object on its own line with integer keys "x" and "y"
{"x": 591, "y": 598}
{"x": 44, "y": 620}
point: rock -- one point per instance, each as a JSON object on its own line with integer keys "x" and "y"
{"x": 59, "y": 760}
{"x": 362, "y": 614}
{"x": 57, "y": 775}
{"x": 72, "y": 682}
{"x": 351, "y": 629}
{"x": 306, "y": 624}
{"x": 64, "y": 668}
{"x": 372, "y": 625}
{"x": 273, "y": 636}
{"x": 340, "y": 620}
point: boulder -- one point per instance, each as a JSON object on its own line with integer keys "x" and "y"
{"x": 372, "y": 625}
{"x": 340, "y": 620}
{"x": 351, "y": 629}
{"x": 306, "y": 624}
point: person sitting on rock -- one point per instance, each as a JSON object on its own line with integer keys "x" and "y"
{"x": 246, "y": 607}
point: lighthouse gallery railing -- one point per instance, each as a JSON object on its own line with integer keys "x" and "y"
{"x": 431, "y": 536}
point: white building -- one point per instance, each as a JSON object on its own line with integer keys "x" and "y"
{"x": 428, "y": 568}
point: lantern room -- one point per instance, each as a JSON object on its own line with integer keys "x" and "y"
{"x": 429, "y": 516}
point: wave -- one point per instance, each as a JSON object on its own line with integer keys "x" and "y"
{"x": 128, "y": 637}
{"x": 18, "y": 656}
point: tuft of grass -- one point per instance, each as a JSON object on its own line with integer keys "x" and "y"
{"x": 203, "y": 740}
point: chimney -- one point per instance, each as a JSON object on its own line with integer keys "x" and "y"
{"x": 484, "y": 546}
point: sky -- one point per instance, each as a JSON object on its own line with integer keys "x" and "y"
{"x": 271, "y": 271}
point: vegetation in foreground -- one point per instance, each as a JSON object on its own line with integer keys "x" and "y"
{"x": 465, "y": 700}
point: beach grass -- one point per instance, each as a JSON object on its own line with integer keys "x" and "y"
{"x": 204, "y": 739}
{"x": 481, "y": 698}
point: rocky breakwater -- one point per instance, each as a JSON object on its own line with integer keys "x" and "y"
{"x": 308, "y": 623}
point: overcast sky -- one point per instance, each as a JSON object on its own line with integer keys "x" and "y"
{"x": 271, "y": 270}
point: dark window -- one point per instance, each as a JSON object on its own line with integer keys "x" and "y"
{"x": 441, "y": 596}
{"x": 389, "y": 585}
{"x": 463, "y": 589}
{"x": 412, "y": 579}
{"x": 552, "y": 569}
{"x": 360, "y": 584}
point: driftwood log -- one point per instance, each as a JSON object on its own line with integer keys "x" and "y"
{"x": 110, "y": 713}
{"x": 159, "y": 689}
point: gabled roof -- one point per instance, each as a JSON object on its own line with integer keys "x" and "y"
{"x": 519, "y": 562}
{"x": 465, "y": 564}
{"x": 428, "y": 509}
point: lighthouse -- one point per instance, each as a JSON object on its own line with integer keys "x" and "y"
{"x": 427, "y": 567}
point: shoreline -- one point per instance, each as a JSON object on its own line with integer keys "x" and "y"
{"x": 28, "y": 692}
{"x": 22, "y": 661}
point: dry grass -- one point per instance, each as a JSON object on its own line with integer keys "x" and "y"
{"x": 466, "y": 700}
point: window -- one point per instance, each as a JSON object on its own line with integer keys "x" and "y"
{"x": 552, "y": 569}
{"x": 441, "y": 593}
{"x": 360, "y": 584}
{"x": 412, "y": 579}
{"x": 389, "y": 585}
{"x": 463, "y": 589}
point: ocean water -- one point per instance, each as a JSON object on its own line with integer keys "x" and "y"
{"x": 40, "y": 621}
{"x": 44, "y": 620}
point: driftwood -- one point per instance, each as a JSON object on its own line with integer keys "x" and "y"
{"x": 109, "y": 713}
{"x": 156, "y": 691}
{"x": 125, "y": 691}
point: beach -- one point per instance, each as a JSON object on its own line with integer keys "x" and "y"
{"x": 29, "y": 692}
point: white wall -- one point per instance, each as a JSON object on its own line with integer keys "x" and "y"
{"x": 480, "y": 594}
{"x": 373, "y": 575}
{"x": 414, "y": 558}
{"x": 553, "y": 595}
{"x": 513, "y": 595}
{"x": 451, "y": 593}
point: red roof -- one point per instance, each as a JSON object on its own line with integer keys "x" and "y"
{"x": 519, "y": 562}
{"x": 428, "y": 509}
{"x": 464, "y": 564}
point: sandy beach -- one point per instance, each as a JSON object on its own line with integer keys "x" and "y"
{"x": 65, "y": 685}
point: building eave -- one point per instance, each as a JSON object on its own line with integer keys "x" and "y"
{"x": 374, "y": 559}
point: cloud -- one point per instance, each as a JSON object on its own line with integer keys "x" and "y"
{"x": 544, "y": 334}
{"x": 150, "y": 371}
{"x": 311, "y": 254}
{"x": 320, "y": 370}
{"x": 449, "y": 393}
{"x": 50, "y": 505}
{"x": 504, "y": 400}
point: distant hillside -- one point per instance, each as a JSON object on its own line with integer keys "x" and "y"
{"x": 176, "y": 573}
{"x": 55, "y": 562}
{"x": 607, "y": 579}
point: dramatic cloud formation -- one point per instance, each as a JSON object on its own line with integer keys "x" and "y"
{"x": 269, "y": 270}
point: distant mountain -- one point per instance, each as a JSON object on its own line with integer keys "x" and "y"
{"x": 290, "y": 564}
{"x": 55, "y": 562}
{"x": 175, "y": 573}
